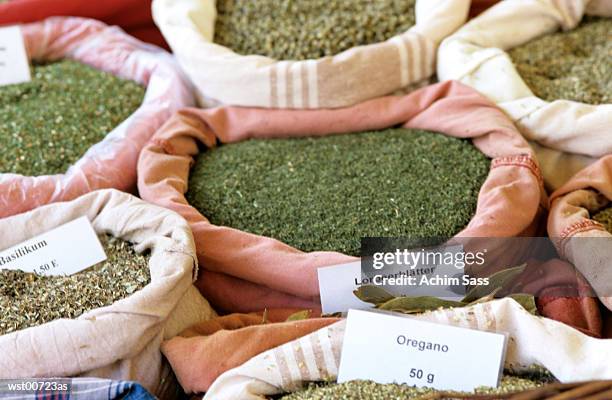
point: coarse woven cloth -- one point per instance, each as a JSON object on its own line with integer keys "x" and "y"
{"x": 200, "y": 354}
{"x": 578, "y": 238}
{"x": 111, "y": 163}
{"x": 134, "y": 16}
{"x": 87, "y": 389}
{"x": 222, "y": 76}
{"x": 203, "y": 352}
{"x": 475, "y": 55}
{"x": 570, "y": 355}
{"x": 121, "y": 341}
{"x": 244, "y": 272}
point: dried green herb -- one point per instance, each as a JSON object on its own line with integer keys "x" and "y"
{"x": 573, "y": 65}
{"x": 28, "y": 300}
{"x": 358, "y": 390}
{"x": 326, "y": 193}
{"x": 604, "y": 217}
{"x": 299, "y": 30}
{"x": 47, "y": 124}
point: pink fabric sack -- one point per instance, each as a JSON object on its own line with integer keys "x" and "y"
{"x": 245, "y": 272}
{"x": 581, "y": 240}
{"x": 112, "y": 162}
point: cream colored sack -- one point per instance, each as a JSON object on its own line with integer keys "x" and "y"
{"x": 121, "y": 341}
{"x": 358, "y": 74}
{"x": 567, "y": 353}
{"x": 475, "y": 56}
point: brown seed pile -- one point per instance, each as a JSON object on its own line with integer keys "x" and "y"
{"x": 604, "y": 217}
{"x": 28, "y": 300}
{"x": 300, "y": 30}
{"x": 47, "y": 124}
{"x": 574, "y": 65}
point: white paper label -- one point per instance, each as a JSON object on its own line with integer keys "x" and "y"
{"x": 14, "y": 66}
{"x": 65, "y": 250}
{"x": 387, "y": 348}
{"x": 337, "y": 283}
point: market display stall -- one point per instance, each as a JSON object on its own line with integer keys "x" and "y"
{"x": 338, "y": 144}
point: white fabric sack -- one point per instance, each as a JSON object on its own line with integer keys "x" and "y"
{"x": 121, "y": 341}
{"x": 567, "y": 353}
{"x": 475, "y": 56}
{"x": 222, "y": 76}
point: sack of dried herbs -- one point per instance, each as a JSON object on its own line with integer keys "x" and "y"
{"x": 110, "y": 320}
{"x": 580, "y": 223}
{"x": 551, "y": 76}
{"x": 305, "y": 54}
{"x": 568, "y": 355}
{"x": 250, "y": 272}
{"x": 96, "y": 97}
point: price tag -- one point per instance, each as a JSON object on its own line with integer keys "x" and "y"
{"x": 388, "y": 348}
{"x": 65, "y": 250}
{"x": 14, "y": 66}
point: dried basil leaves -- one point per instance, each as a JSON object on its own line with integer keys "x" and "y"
{"x": 47, "y": 124}
{"x": 28, "y": 300}
{"x": 326, "y": 193}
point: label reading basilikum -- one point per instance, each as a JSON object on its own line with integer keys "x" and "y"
{"x": 65, "y": 250}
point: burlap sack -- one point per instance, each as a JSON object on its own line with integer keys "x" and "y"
{"x": 361, "y": 73}
{"x": 567, "y": 353}
{"x": 581, "y": 240}
{"x": 478, "y": 59}
{"x": 246, "y": 272}
{"x": 121, "y": 341}
{"x": 112, "y": 162}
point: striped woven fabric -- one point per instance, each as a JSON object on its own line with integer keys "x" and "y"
{"x": 358, "y": 74}
{"x": 316, "y": 357}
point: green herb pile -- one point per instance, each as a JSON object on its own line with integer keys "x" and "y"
{"x": 28, "y": 300}
{"x": 604, "y": 217}
{"x": 573, "y": 65}
{"x": 358, "y": 390}
{"x": 326, "y": 193}
{"x": 47, "y": 124}
{"x": 299, "y": 30}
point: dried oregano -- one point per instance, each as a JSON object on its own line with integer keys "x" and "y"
{"x": 298, "y": 30}
{"x": 326, "y": 193}
{"x": 28, "y": 300}
{"x": 49, "y": 123}
{"x": 604, "y": 217}
{"x": 358, "y": 390}
{"x": 573, "y": 65}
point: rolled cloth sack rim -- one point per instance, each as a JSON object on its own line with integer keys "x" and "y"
{"x": 183, "y": 33}
{"x": 109, "y": 49}
{"x": 459, "y": 56}
{"x": 173, "y": 266}
{"x": 583, "y": 181}
{"x": 206, "y": 126}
